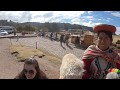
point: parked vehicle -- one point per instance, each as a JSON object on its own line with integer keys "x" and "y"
{"x": 3, "y": 32}
{"x": 9, "y": 29}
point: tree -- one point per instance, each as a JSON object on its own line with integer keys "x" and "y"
{"x": 29, "y": 28}
{"x": 19, "y": 28}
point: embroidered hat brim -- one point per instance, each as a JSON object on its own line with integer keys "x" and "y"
{"x": 105, "y": 27}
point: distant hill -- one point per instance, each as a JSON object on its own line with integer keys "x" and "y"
{"x": 51, "y": 26}
{"x": 87, "y": 28}
{"x": 61, "y": 25}
{"x": 33, "y": 23}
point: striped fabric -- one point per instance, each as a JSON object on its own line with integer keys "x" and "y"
{"x": 98, "y": 68}
{"x": 109, "y": 55}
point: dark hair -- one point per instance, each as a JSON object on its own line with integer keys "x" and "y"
{"x": 31, "y": 61}
{"x": 109, "y": 34}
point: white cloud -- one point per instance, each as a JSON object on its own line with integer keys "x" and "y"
{"x": 67, "y": 14}
{"x": 88, "y": 17}
{"x": 75, "y": 21}
{"x": 41, "y": 16}
{"x": 17, "y": 16}
{"x": 108, "y": 19}
{"x": 56, "y": 19}
{"x": 90, "y": 12}
{"x": 26, "y": 16}
{"x": 37, "y": 19}
{"x": 47, "y": 15}
{"x": 117, "y": 14}
{"x": 118, "y": 30}
{"x": 54, "y": 16}
{"x": 73, "y": 17}
{"x": 108, "y": 11}
{"x": 90, "y": 24}
{"x": 99, "y": 19}
{"x": 83, "y": 21}
{"x": 34, "y": 13}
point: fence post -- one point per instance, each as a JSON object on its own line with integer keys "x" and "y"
{"x": 36, "y": 45}
{"x": 10, "y": 41}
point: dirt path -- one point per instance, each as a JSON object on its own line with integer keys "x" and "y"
{"x": 9, "y": 67}
{"x": 51, "y": 46}
{"x": 50, "y": 68}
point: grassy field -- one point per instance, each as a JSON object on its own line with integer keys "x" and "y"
{"x": 22, "y": 52}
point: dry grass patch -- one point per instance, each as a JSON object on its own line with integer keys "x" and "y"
{"x": 22, "y": 52}
{"x": 54, "y": 58}
{"x": 116, "y": 38}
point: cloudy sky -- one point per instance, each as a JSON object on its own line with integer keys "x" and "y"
{"x": 87, "y": 18}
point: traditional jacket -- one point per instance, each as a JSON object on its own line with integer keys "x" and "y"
{"x": 97, "y": 62}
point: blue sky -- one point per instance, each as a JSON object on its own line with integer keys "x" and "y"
{"x": 87, "y": 18}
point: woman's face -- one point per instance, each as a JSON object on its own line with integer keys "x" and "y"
{"x": 103, "y": 41}
{"x": 29, "y": 71}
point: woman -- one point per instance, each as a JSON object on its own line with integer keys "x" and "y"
{"x": 31, "y": 70}
{"x": 100, "y": 57}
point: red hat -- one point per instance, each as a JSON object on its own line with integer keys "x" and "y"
{"x": 105, "y": 27}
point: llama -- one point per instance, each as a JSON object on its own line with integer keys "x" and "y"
{"x": 71, "y": 67}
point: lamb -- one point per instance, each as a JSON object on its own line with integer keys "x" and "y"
{"x": 112, "y": 75}
{"x": 71, "y": 67}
